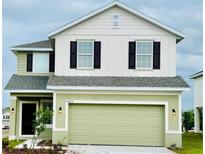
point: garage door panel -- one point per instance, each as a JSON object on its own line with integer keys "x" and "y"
{"x": 116, "y": 124}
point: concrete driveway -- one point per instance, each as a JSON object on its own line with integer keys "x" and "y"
{"x": 92, "y": 149}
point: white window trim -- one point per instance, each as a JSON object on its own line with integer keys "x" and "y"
{"x": 33, "y": 65}
{"x": 41, "y": 104}
{"x": 92, "y": 67}
{"x": 20, "y": 116}
{"x": 139, "y": 68}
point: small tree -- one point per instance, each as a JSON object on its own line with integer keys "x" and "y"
{"x": 188, "y": 120}
{"x": 43, "y": 117}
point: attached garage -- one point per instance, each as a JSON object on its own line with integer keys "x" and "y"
{"x": 116, "y": 124}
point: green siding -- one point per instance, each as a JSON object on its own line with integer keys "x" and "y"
{"x": 116, "y": 124}
{"x": 47, "y": 134}
{"x": 170, "y": 97}
{"x": 171, "y": 139}
{"x": 13, "y": 118}
{"x": 63, "y": 136}
{"x": 60, "y": 137}
{"x": 21, "y": 63}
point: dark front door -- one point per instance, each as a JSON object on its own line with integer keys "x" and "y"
{"x": 28, "y": 110}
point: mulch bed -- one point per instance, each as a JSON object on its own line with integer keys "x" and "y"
{"x": 45, "y": 143}
{"x": 56, "y": 149}
{"x": 32, "y": 151}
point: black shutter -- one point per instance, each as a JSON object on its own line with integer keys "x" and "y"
{"x": 73, "y": 54}
{"x": 132, "y": 55}
{"x": 156, "y": 55}
{"x": 29, "y": 62}
{"x": 51, "y": 62}
{"x": 97, "y": 54}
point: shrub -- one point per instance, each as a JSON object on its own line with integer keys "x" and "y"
{"x": 188, "y": 120}
{"x": 5, "y": 142}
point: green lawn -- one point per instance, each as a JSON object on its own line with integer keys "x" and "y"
{"x": 192, "y": 144}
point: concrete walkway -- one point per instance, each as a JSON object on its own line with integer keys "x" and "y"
{"x": 92, "y": 149}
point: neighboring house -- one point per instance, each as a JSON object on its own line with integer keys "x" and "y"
{"x": 5, "y": 119}
{"x": 198, "y": 101}
{"x": 110, "y": 78}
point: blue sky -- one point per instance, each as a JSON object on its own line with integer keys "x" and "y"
{"x": 31, "y": 20}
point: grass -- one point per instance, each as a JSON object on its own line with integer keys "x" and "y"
{"x": 10, "y": 144}
{"x": 192, "y": 143}
{"x": 14, "y": 143}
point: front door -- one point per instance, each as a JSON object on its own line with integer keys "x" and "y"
{"x": 28, "y": 111}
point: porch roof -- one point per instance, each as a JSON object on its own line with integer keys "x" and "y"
{"x": 109, "y": 81}
{"x": 22, "y": 82}
{"x": 38, "y": 44}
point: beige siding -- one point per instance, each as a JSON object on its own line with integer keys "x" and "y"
{"x": 114, "y": 45}
{"x": 21, "y": 63}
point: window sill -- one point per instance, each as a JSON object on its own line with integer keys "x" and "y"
{"x": 49, "y": 125}
{"x": 144, "y": 69}
{"x": 85, "y": 69}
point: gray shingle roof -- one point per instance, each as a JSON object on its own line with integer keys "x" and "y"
{"x": 39, "y": 44}
{"x": 106, "y": 81}
{"x": 20, "y": 82}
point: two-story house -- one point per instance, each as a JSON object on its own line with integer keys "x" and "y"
{"x": 198, "y": 101}
{"x": 109, "y": 76}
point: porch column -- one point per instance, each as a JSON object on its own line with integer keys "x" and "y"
{"x": 196, "y": 119}
{"x": 60, "y": 120}
{"x": 12, "y": 123}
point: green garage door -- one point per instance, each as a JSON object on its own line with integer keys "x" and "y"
{"x": 116, "y": 124}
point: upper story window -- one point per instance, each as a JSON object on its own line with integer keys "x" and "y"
{"x": 40, "y": 62}
{"x": 144, "y": 54}
{"x": 85, "y": 54}
{"x": 115, "y": 20}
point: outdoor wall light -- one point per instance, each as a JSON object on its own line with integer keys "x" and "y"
{"x": 60, "y": 109}
{"x": 174, "y": 112}
{"x": 12, "y": 109}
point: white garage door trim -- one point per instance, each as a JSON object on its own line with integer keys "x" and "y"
{"x": 67, "y": 102}
{"x": 128, "y": 103}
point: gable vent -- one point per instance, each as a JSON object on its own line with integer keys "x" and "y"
{"x": 115, "y": 20}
